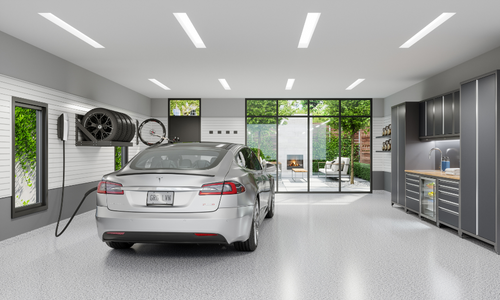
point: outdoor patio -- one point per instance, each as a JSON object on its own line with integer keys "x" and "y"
{"x": 318, "y": 183}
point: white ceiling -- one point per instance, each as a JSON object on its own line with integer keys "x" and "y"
{"x": 253, "y": 44}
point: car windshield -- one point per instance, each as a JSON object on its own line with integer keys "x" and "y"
{"x": 195, "y": 158}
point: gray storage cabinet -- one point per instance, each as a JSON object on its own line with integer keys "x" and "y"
{"x": 480, "y": 138}
{"x": 440, "y": 117}
{"x": 407, "y": 151}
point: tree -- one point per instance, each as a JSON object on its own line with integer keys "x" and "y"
{"x": 351, "y": 124}
{"x": 263, "y": 108}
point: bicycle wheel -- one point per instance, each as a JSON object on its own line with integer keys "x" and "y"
{"x": 151, "y": 132}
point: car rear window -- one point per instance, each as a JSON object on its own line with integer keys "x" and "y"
{"x": 177, "y": 158}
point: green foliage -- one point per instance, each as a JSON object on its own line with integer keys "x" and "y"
{"x": 257, "y": 150}
{"x": 118, "y": 158}
{"x": 261, "y": 108}
{"x": 185, "y": 106}
{"x": 26, "y": 202}
{"x": 362, "y": 171}
{"x": 25, "y": 141}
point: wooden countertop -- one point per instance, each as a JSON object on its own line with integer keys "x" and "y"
{"x": 435, "y": 173}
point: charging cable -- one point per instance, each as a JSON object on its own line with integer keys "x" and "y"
{"x": 62, "y": 196}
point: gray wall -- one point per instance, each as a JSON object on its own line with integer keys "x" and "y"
{"x": 12, "y": 227}
{"x": 378, "y": 107}
{"x": 446, "y": 81}
{"x": 227, "y": 107}
{"x": 26, "y": 62}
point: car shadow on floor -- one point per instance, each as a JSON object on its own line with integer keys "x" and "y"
{"x": 180, "y": 251}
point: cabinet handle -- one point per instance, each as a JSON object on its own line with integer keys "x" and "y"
{"x": 454, "y": 182}
{"x": 413, "y": 184}
{"x": 448, "y": 193}
{"x": 412, "y": 198}
{"x": 411, "y": 175}
{"x": 449, "y": 211}
{"x": 449, "y": 187}
{"x": 412, "y": 179}
{"x": 448, "y": 202}
{"x": 413, "y": 192}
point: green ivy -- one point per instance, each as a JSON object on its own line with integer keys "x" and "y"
{"x": 118, "y": 158}
{"x": 25, "y": 141}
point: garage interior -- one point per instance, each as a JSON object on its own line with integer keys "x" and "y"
{"x": 334, "y": 236}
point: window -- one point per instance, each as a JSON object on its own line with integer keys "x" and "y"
{"x": 177, "y": 158}
{"x": 29, "y": 157}
{"x": 327, "y": 142}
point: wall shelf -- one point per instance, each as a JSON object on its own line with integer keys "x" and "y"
{"x": 383, "y": 136}
{"x": 384, "y": 151}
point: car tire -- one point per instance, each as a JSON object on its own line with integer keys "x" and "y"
{"x": 272, "y": 205}
{"x": 102, "y": 125}
{"x": 253, "y": 240}
{"x": 119, "y": 245}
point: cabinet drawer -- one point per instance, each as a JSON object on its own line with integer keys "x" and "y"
{"x": 448, "y": 217}
{"x": 412, "y": 176}
{"x": 448, "y": 189}
{"x": 448, "y": 196}
{"x": 413, "y": 187}
{"x": 448, "y": 205}
{"x": 412, "y": 204}
{"x": 412, "y": 181}
{"x": 412, "y": 194}
{"x": 448, "y": 183}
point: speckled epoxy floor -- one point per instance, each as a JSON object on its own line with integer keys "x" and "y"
{"x": 316, "y": 247}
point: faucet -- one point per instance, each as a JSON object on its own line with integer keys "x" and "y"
{"x": 449, "y": 150}
{"x": 440, "y": 169}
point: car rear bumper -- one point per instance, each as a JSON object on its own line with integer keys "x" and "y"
{"x": 229, "y": 224}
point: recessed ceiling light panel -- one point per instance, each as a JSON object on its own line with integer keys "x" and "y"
{"x": 427, "y": 29}
{"x": 188, "y": 27}
{"x": 159, "y": 84}
{"x": 52, "y": 18}
{"x": 289, "y": 84}
{"x": 308, "y": 30}
{"x": 354, "y": 84}
{"x": 224, "y": 83}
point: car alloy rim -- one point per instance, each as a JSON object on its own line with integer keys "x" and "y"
{"x": 255, "y": 224}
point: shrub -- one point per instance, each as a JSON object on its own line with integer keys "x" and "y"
{"x": 362, "y": 171}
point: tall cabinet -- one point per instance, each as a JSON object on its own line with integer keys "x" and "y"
{"x": 480, "y": 160}
{"x": 407, "y": 151}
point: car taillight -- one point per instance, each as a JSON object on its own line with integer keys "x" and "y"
{"x": 108, "y": 187}
{"x": 222, "y": 188}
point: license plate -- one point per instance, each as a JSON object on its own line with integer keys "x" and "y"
{"x": 160, "y": 198}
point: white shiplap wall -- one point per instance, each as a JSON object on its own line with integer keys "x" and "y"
{"x": 216, "y": 124}
{"x": 83, "y": 164}
{"x": 381, "y": 161}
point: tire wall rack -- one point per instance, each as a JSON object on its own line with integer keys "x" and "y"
{"x": 84, "y": 137}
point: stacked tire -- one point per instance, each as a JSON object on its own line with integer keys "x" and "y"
{"x": 108, "y": 125}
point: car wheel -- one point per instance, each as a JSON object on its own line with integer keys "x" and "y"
{"x": 253, "y": 240}
{"x": 272, "y": 204}
{"x": 119, "y": 245}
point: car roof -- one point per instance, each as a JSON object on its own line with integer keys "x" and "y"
{"x": 201, "y": 145}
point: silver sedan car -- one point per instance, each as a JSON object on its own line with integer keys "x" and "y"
{"x": 186, "y": 193}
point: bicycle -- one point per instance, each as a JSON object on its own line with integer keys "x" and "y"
{"x": 152, "y": 132}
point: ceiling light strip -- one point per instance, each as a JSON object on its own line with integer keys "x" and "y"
{"x": 52, "y": 18}
{"x": 224, "y": 83}
{"x": 308, "y": 30}
{"x": 159, "y": 84}
{"x": 289, "y": 84}
{"x": 188, "y": 27}
{"x": 354, "y": 84}
{"x": 427, "y": 29}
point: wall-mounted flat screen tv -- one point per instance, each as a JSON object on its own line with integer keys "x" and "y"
{"x": 184, "y": 108}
